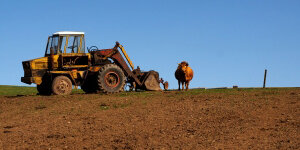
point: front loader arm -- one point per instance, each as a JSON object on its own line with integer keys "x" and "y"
{"x": 116, "y": 56}
{"x": 125, "y": 54}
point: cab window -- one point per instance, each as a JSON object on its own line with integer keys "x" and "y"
{"x": 52, "y": 44}
{"x": 73, "y": 44}
{"x": 61, "y": 44}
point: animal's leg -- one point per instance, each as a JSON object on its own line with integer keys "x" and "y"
{"x": 178, "y": 85}
{"x": 187, "y": 85}
{"x": 182, "y": 85}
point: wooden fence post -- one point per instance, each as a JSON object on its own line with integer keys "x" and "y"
{"x": 264, "y": 86}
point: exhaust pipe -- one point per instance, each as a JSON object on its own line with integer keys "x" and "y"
{"x": 51, "y": 59}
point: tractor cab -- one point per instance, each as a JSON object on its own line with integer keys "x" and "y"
{"x": 68, "y": 48}
{"x": 66, "y": 42}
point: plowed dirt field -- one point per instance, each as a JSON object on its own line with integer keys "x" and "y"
{"x": 196, "y": 119}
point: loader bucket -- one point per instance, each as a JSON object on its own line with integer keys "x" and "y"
{"x": 151, "y": 82}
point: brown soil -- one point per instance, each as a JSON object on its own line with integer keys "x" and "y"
{"x": 197, "y": 119}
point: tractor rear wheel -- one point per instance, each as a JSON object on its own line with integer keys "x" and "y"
{"x": 61, "y": 85}
{"x": 111, "y": 79}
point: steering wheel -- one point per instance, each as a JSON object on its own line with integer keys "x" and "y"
{"x": 92, "y": 48}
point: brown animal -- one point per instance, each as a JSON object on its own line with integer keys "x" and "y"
{"x": 184, "y": 74}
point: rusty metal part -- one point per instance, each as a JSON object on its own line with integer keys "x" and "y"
{"x": 151, "y": 83}
{"x": 112, "y": 79}
{"x": 116, "y": 56}
{"x": 137, "y": 72}
{"x": 150, "y": 80}
{"x": 94, "y": 68}
{"x": 166, "y": 85}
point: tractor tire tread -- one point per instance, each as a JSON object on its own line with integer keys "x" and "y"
{"x": 102, "y": 71}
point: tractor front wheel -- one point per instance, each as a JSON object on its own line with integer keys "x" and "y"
{"x": 61, "y": 85}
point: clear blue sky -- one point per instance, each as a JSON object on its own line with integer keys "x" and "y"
{"x": 226, "y": 42}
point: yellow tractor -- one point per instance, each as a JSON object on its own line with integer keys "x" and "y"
{"x": 66, "y": 64}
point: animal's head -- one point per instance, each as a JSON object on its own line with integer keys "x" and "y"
{"x": 183, "y": 65}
